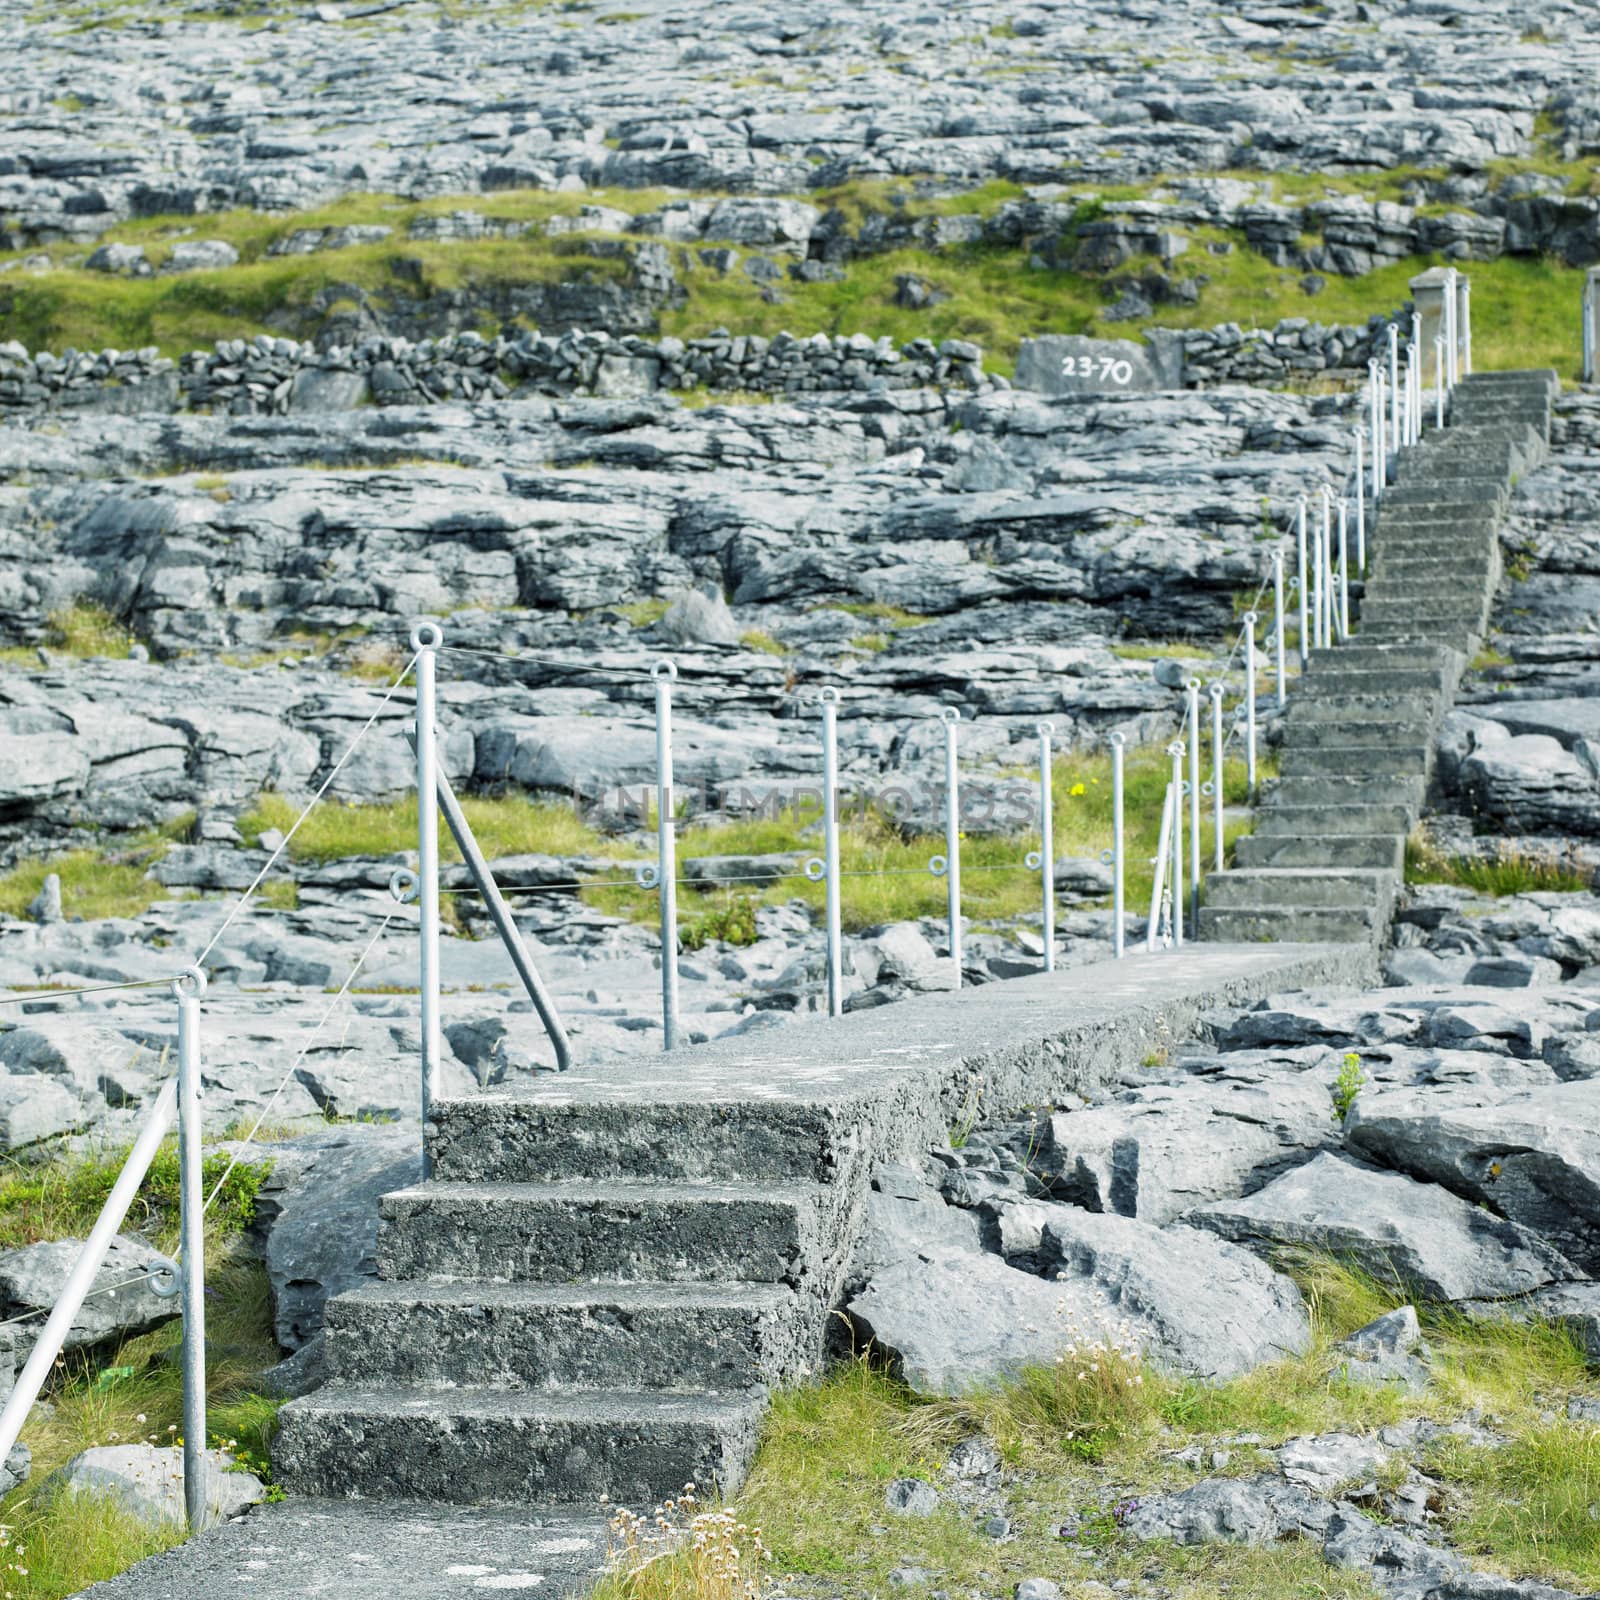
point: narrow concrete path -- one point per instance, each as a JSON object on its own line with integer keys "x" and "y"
{"x": 1327, "y": 856}
{"x": 608, "y": 1271}
{"x": 352, "y": 1550}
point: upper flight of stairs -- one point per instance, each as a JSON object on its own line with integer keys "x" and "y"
{"x": 1327, "y": 855}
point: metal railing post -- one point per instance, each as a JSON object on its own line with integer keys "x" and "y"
{"x": 1394, "y": 392}
{"x": 505, "y": 924}
{"x": 1192, "y": 741}
{"x": 1466, "y": 327}
{"x": 1380, "y": 475}
{"x": 664, "y": 674}
{"x": 1158, "y": 887}
{"x": 1216, "y": 763}
{"x": 1451, "y": 331}
{"x": 952, "y": 836}
{"x": 1304, "y": 587}
{"x": 1344, "y": 568}
{"x": 1361, "y": 506}
{"x": 1438, "y": 382}
{"x": 1117, "y": 858}
{"x": 1175, "y": 750}
{"x": 830, "y": 847}
{"x": 1277, "y": 645}
{"x": 1250, "y": 702}
{"x": 1047, "y": 846}
{"x": 425, "y": 641}
{"x": 1318, "y": 565}
{"x": 191, "y": 1193}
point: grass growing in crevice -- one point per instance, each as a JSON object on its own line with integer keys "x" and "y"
{"x": 98, "y": 883}
{"x": 84, "y": 630}
{"x": 1510, "y": 869}
{"x": 829, "y": 1450}
{"x": 505, "y": 825}
{"x": 61, "y": 1198}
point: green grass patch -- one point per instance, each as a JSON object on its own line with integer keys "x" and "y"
{"x": 1079, "y": 1446}
{"x": 997, "y": 296}
{"x": 97, "y": 883}
{"x": 61, "y": 1199}
{"x": 1531, "y": 1502}
{"x": 1511, "y": 869}
{"x": 505, "y": 825}
{"x": 84, "y": 630}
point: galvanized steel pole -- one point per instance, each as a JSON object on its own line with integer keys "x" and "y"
{"x": 1216, "y": 763}
{"x": 191, "y": 1196}
{"x": 81, "y": 1277}
{"x": 1277, "y": 645}
{"x": 830, "y": 847}
{"x": 1047, "y": 847}
{"x": 1250, "y": 702}
{"x": 1466, "y": 327}
{"x": 1394, "y": 390}
{"x": 1158, "y": 887}
{"x": 1117, "y": 870}
{"x": 1380, "y": 466}
{"x": 1344, "y": 568}
{"x": 1318, "y": 575}
{"x": 665, "y": 674}
{"x": 1192, "y": 719}
{"x": 1175, "y": 750}
{"x": 1304, "y": 588}
{"x": 1438, "y": 382}
{"x": 1361, "y": 507}
{"x": 425, "y": 640}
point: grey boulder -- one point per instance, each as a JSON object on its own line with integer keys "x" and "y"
{"x": 148, "y": 1482}
{"x": 1157, "y": 1152}
{"x": 122, "y": 1300}
{"x": 1196, "y": 1305}
{"x": 1534, "y": 1156}
{"x": 1416, "y": 1236}
{"x": 319, "y": 1210}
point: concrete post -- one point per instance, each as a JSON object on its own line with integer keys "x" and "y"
{"x": 1428, "y": 296}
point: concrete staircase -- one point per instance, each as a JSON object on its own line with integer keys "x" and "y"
{"x": 609, "y": 1270}
{"x": 1327, "y": 855}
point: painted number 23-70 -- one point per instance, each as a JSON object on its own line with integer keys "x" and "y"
{"x": 1108, "y": 369}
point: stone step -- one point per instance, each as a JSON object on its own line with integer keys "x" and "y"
{"x": 1428, "y": 505}
{"x": 1448, "y": 540}
{"x": 636, "y": 1232}
{"x": 532, "y": 1336}
{"x": 1402, "y": 608}
{"x": 1351, "y": 788}
{"x": 1304, "y": 733}
{"x": 1336, "y": 703}
{"x": 1449, "y": 630}
{"x": 1355, "y": 657}
{"x": 510, "y": 1137}
{"x": 1378, "y": 690}
{"x": 1371, "y": 761}
{"x": 1308, "y": 820}
{"x": 1400, "y": 565}
{"x": 488, "y": 1446}
{"x": 1320, "y": 887}
{"x": 1377, "y": 851}
{"x": 1253, "y": 924}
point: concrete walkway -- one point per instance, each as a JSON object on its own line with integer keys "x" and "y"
{"x": 345, "y": 1550}
{"x": 723, "y": 1178}
{"x": 609, "y": 1270}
